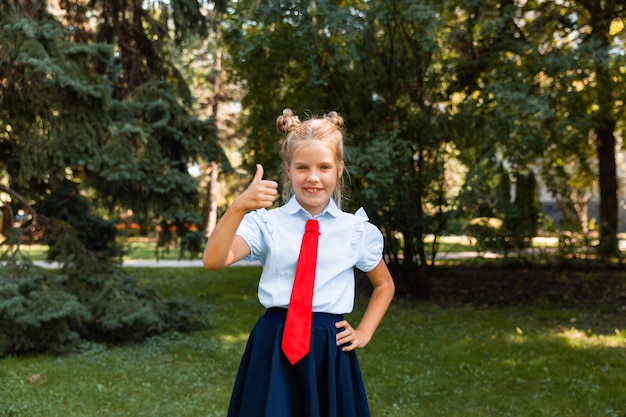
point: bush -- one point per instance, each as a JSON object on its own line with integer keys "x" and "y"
{"x": 37, "y": 313}
{"x": 91, "y": 299}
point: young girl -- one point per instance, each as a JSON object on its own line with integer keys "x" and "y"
{"x": 326, "y": 381}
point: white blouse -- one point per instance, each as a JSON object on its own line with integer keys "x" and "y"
{"x": 346, "y": 240}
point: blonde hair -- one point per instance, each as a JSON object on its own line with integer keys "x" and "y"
{"x": 326, "y": 129}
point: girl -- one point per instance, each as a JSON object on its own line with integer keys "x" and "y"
{"x": 325, "y": 379}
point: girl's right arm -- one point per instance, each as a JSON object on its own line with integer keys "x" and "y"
{"x": 224, "y": 247}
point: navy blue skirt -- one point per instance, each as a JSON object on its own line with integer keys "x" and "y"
{"x": 327, "y": 382}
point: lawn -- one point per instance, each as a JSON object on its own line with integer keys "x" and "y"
{"x": 427, "y": 359}
{"x": 144, "y": 249}
{"x": 140, "y": 249}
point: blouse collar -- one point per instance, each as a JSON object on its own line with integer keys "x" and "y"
{"x": 293, "y": 207}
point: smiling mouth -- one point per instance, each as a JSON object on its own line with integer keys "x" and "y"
{"x": 313, "y": 190}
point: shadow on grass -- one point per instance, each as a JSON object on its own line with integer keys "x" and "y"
{"x": 428, "y": 360}
{"x": 425, "y": 360}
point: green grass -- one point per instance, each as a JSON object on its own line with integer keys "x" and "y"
{"x": 425, "y": 360}
{"x": 138, "y": 249}
{"x": 144, "y": 249}
{"x": 35, "y": 252}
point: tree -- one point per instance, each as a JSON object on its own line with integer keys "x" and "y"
{"x": 583, "y": 72}
{"x": 93, "y": 118}
{"x": 378, "y": 64}
{"x": 426, "y": 86}
{"x": 100, "y": 110}
{"x": 554, "y": 67}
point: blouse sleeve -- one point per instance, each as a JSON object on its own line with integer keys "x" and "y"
{"x": 371, "y": 245}
{"x": 250, "y": 230}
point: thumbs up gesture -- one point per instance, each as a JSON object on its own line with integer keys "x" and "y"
{"x": 259, "y": 194}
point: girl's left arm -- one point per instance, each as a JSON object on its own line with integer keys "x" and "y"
{"x": 382, "y": 295}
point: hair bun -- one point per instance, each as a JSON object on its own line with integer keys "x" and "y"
{"x": 287, "y": 121}
{"x": 335, "y": 119}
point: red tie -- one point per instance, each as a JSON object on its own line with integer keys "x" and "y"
{"x": 297, "y": 334}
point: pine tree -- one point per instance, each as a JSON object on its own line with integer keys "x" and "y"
{"x": 93, "y": 118}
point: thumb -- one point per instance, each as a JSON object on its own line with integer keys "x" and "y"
{"x": 258, "y": 176}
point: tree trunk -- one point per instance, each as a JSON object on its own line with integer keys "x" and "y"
{"x": 212, "y": 192}
{"x": 604, "y": 128}
{"x": 608, "y": 187}
{"x": 212, "y": 171}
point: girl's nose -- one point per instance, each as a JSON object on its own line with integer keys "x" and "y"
{"x": 313, "y": 177}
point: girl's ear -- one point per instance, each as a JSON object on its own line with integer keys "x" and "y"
{"x": 340, "y": 173}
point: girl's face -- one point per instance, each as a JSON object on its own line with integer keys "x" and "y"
{"x": 314, "y": 173}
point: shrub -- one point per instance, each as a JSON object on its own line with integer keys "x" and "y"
{"x": 91, "y": 299}
{"x": 37, "y": 313}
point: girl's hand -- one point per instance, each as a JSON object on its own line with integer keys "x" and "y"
{"x": 259, "y": 194}
{"x": 224, "y": 247}
{"x": 350, "y": 338}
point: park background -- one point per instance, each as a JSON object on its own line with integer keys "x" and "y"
{"x": 488, "y": 128}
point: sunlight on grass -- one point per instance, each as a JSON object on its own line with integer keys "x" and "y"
{"x": 580, "y": 339}
{"x": 425, "y": 360}
{"x": 35, "y": 252}
{"x": 229, "y": 339}
{"x": 432, "y": 361}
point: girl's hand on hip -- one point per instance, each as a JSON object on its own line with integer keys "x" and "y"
{"x": 349, "y": 338}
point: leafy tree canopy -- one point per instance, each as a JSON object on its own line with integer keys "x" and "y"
{"x": 95, "y": 117}
{"x": 101, "y": 108}
{"x": 491, "y": 90}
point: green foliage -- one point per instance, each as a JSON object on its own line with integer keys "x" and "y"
{"x": 377, "y": 64}
{"x": 489, "y": 235}
{"x": 37, "y": 313}
{"x": 124, "y": 312}
{"x": 93, "y": 118}
{"x": 483, "y": 84}
{"x": 53, "y": 103}
{"x": 41, "y": 311}
{"x": 153, "y": 179}
{"x": 587, "y": 99}
{"x": 66, "y": 205}
{"x": 78, "y": 120}
{"x": 534, "y": 86}
{"x": 90, "y": 300}
{"x": 192, "y": 244}
{"x": 499, "y": 224}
